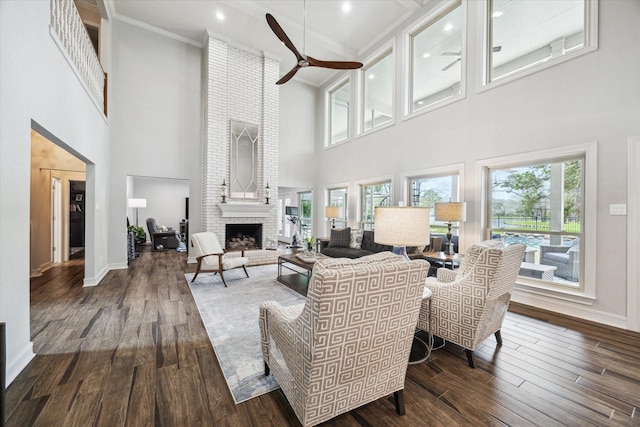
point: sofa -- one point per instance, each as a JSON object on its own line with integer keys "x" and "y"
{"x": 348, "y": 243}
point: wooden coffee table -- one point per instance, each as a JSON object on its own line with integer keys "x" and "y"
{"x": 295, "y": 272}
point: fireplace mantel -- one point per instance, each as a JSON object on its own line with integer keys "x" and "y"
{"x": 245, "y": 210}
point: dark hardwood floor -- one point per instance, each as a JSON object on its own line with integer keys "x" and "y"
{"x": 133, "y": 352}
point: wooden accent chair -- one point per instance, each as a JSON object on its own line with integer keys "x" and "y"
{"x": 469, "y": 304}
{"x": 212, "y": 258}
{"x": 349, "y": 344}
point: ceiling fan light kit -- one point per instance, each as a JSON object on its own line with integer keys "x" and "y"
{"x": 305, "y": 60}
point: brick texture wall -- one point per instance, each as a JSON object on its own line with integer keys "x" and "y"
{"x": 239, "y": 86}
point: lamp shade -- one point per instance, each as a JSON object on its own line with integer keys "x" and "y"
{"x": 137, "y": 203}
{"x": 402, "y": 226}
{"x": 451, "y": 211}
{"x": 333, "y": 212}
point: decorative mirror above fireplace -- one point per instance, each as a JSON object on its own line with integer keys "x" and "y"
{"x": 244, "y": 150}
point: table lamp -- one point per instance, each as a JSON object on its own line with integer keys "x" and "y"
{"x": 333, "y": 212}
{"x": 401, "y": 227}
{"x": 137, "y": 203}
{"x": 450, "y": 212}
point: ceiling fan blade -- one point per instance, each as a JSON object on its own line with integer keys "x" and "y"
{"x": 451, "y": 65}
{"x": 279, "y": 32}
{"x": 450, "y": 53}
{"x": 336, "y": 65}
{"x": 289, "y": 75}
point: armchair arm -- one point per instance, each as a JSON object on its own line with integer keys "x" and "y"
{"x": 552, "y": 248}
{"x": 278, "y": 323}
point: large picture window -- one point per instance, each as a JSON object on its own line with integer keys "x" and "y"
{"x": 377, "y": 92}
{"x": 541, "y": 205}
{"x": 437, "y": 59}
{"x": 426, "y": 191}
{"x": 526, "y": 34}
{"x": 305, "y": 204}
{"x": 372, "y": 196}
{"x": 338, "y": 197}
{"x": 339, "y": 113}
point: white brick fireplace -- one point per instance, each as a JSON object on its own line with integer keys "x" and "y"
{"x": 239, "y": 85}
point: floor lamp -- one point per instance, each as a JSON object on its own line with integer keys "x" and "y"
{"x": 137, "y": 203}
{"x": 450, "y": 212}
{"x": 401, "y": 227}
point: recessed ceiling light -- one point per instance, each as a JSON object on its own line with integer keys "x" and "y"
{"x": 220, "y": 16}
{"x": 420, "y": 102}
{"x": 448, "y": 27}
{"x": 497, "y": 14}
{"x": 346, "y": 7}
{"x": 426, "y": 55}
{"x": 372, "y": 76}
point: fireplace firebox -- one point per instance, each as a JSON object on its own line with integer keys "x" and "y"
{"x": 247, "y": 236}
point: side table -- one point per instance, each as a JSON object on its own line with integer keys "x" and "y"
{"x": 420, "y": 350}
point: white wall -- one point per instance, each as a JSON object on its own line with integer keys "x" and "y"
{"x": 165, "y": 201}
{"x": 37, "y": 83}
{"x": 595, "y": 97}
{"x": 297, "y": 151}
{"x": 156, "y": 121}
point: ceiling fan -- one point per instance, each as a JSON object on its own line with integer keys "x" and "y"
{"x": 305, "y": 60}
{"x": 459, "y": 55}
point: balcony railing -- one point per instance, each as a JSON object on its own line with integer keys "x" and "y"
{"x": 69, "y": 32}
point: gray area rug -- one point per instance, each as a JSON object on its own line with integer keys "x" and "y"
{"x": 230, "y": 316}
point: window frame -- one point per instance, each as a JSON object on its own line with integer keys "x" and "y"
{"x": 306, "y": 232}
{"x": 329, "y": 110}
{"x": 345, "y": 211}
{"x": 408, "y": 34}
{"x": 437, "y": 172}
{"x": 361, "y": 202}
{"x": 528, "y": 288}
{"x": 590, "y": 45}
{"x": 388, "y": 50}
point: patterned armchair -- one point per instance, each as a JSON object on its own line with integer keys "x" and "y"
{"x": 565, "y": 258}
{"x": 468, "y": 305}
{"x": 349, "y": 344}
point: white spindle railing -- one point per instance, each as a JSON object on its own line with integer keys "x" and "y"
{"x": 70, "y": 33}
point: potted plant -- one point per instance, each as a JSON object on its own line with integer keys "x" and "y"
{"x": 309, "y": 243}
{"x": 141, "y": 235}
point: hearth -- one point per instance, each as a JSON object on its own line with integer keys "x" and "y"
{"x": 238, "y": 236}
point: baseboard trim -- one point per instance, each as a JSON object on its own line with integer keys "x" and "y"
{"x": 16, "y": 366}
{"x": 570, "y": 309}
{"x": 95, "y": 281}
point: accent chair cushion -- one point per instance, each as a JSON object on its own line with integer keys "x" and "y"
{"x": 340, "y": 238}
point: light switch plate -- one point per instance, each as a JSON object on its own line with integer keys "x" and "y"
{"x": 619, "y": 209}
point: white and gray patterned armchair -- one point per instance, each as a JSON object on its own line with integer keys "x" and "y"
{"x": 468, "y": 305}
{"x": 349, "y": 344}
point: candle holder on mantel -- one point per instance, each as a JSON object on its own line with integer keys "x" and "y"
{"x": 224, "y": 191}
{"x": 267, "y": 193}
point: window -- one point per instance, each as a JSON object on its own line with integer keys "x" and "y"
{"x": 339, "y": 113}
{"x": 437, "y": 58}
{"x": 525, "y": 35}
{"x": 377, "y": 92}
{"x": 428, "y": 190}
{"x": 304, "y": 202}
{"x": 372, "y": 196}
{"x": 541, "y": 204}
{"x": 283, "y": 229}
{"x": 338, "y": 197}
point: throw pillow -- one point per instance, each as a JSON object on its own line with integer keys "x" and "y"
{"x": 356, "y": 239}
{"x": 340, "y": 238}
